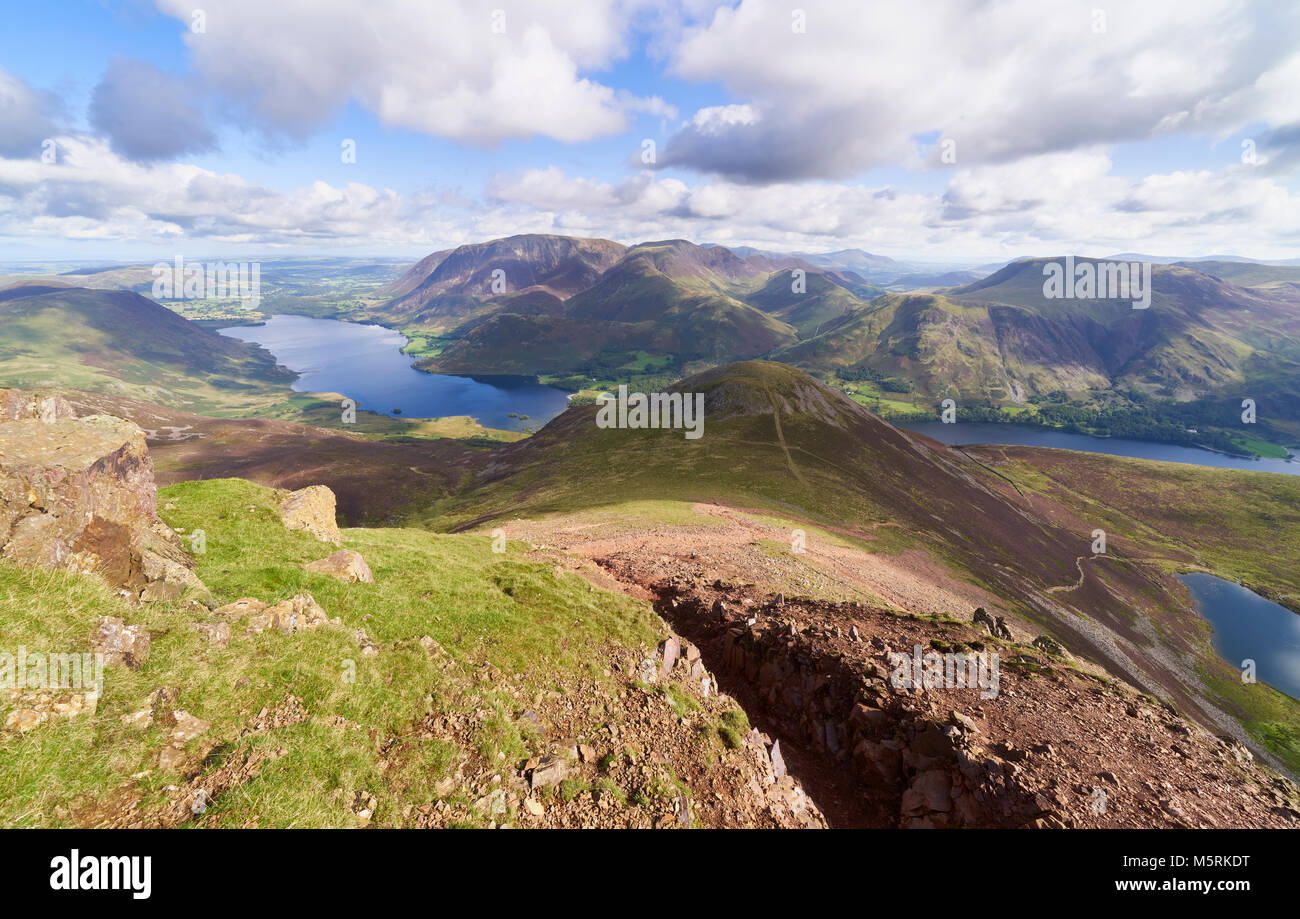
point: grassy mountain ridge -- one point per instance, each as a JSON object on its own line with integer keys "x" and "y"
{"x": 996, "y": 340}
{"x": 662, "y": 298}
{"x": 776, "y": 439}
{"x": 119, "y": 341}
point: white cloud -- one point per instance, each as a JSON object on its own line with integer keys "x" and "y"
{"x": 1056, "y": 202}
{"x": 1047, "y": 204}
{"x": 93, "y": 193}
{"x": 1035, "y": 100}
{"x": 448, "y": 68}
{"x": 1005, "y": 80}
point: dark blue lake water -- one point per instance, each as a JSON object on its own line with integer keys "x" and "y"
{"x": 366, "y": 363}
{"x": 1248, "y": 627}
{"x": 1036, "y": 437}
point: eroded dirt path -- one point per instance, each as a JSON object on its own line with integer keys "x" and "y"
{"x": 736, "y": 545}
{"x": 802, "y": 640}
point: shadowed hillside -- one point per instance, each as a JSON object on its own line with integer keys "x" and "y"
{"x": 118, "y": 341}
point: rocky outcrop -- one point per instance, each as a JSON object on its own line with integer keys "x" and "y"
{"x": 997, "y": 627}
{"x": 33, "y": 708}
{"x": 1045, "y": 745}
{"x": 311, "y": 510}
{"x": 288, "y": 616}
{"x": 346, "y": 565}
{"x": 16, "y": 405}
{"x": 79, "y": 493}
{"x": 244, "y": 606}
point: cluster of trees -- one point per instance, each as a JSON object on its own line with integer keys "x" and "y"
{"x": 865, "y": 374}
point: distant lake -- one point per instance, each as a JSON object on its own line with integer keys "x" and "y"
{"x": 366, "y": 363}
{"x": 1248, "y": 627}
{"x": 1019, "y": 435}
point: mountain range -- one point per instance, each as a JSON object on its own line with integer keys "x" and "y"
{"x": 795, "y": 544}
{"x": 1219, "y": 330}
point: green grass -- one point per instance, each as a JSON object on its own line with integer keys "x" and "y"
{"x": 682, "y": 701}
{"x": 539, "y": 630}
{"x": 1259, "y": 446}
{"x": 732, "y": 728}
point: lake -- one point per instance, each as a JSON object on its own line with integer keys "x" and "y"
{"x": 1018, "y": 435}
{"x": 1246, "y": 626}
{"x": 366, "y": 363}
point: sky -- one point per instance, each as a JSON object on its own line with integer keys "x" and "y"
{"x": 946, "y": 131}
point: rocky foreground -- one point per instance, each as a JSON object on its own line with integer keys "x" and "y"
{"x": 261, "y": 702}
{"x": 1060, "y": 743}
{"x": 1055, "y": 746}
{"x": 641, "y": 737}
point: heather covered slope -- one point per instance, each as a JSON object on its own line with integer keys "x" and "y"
{"x": 660, "y": 298}
{"x": 776, "y": 439}
{"x": 1175, "y": 517}
{"x": 1200, "y": 334}
{"x": 560, "y": 265}
{"x": 120, "y": 342}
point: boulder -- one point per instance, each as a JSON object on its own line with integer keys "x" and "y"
{"x": 997, "y": 627}
{"x": 161, "y": 592}
{"x": 185, "y": 727}
{"x": 293, "y": 615}
{"x": 778, "y": 761}
{"x": 240, "y": 608}
{"x": 346, "y": 565}
{"x": 550, "y": 770}
{"x": 311, "y": 510}
{"x": 16, "y": 405}
{"x": 670, "y": 648}
{"x": 79, "y": 493}
{"x": 1050, "y": 645}
{"x": 930, "y": 791}
{"x": 121, "y": 643}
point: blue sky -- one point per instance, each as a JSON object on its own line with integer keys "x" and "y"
{"x": 829, "y": 134}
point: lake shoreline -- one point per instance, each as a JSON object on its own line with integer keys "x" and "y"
{"x": 970, "y": 434}
{"x": 365, "y": 362}
{"x": 1249, "y": 627}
